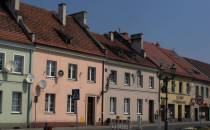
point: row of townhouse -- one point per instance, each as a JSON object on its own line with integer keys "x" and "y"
{"x": 116, "y": 74}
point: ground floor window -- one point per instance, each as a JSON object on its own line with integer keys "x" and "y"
{"x": 126, "y": 106}
{"x": 70, "y": 104}
{"x": 16, "y": 102}
{"x": 50, "y": 103}
{"x": 113, "y": 105}
{"x": 187, "y": 111}
{"x": 171, "y": 111}
{"x": 139, "y": 106}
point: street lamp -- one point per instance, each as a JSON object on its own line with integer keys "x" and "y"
{"x": 167, "y": 76}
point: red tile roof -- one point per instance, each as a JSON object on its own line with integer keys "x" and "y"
{"x": 9, "y": 30}
{"x": 203, "y": 67}
{"x": 46, "y": 27}
{"x": 128, "y": 56}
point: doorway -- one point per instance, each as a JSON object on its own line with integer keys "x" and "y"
{"x": 151, "y": 111}
{"x": 179, "y": 112}
{"x": 196, "y": 114}
{"x": 91, "y": 111}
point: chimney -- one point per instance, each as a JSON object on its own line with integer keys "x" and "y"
{"x": 138, "y": 43}
{"x": 110, "y": 36}
{"x": 81, "y": 17}
{"x": 62, "y": 11}
{"x": 13, "y": 5}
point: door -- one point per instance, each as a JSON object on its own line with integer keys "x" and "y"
{"x": 163, "y": 112}
{"x": 91, "y": 111}
{"x": 151, "y": 111}
{"x": 179, "y": 112}
{"x": 196, "y": 114}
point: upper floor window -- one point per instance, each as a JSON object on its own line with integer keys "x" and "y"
{"x": 51, "y": 68}
{"x": 70, "y": 104}
{"x": 126, "y": 106}
{"x": 207, "y": 92}
{"x": 197, "y": 91}
{"x": 188, "y": 88}
{"x": 113, "y": 77}
{"x": 180, "y": 87}
{"x": 173, "y": 86}
{"x": 16, "y": 102}
{"x": 127, "y": 78}
{"x": 50, "y": 103}
{"x": 92, "y": 74}
{"x": 2, "y": 60}
{"x": 151, "y": 82}
{"x": 202, "y": 91}
{"x": 139, "y": 106}
{"x": 113, "y": 104}
{"x": 0, "y": 101}
{"x": 140, "y": 80}
{"x": 19, "y": 63}
{"x": 72, "y": 72}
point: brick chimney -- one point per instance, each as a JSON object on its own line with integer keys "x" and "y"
{"x": 138, "y": 43}
{"x": 13, "y": 5}
{"x": 81, "y": 17}
{"x": 62, "y": 11}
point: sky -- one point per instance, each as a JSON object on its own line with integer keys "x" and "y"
{"x": 182, "y": 25}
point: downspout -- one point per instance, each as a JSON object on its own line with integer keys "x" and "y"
{"x": 29, "y": 91}
{"x": 102, "y": 102}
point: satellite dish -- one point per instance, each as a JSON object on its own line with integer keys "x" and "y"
{"x": 42, "y": 84}
{"x": 10, "y": 66}
{"x": 30, "y": 78}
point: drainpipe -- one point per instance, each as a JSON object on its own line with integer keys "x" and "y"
{"x": 102, "y": 102}
{"x": 29, "y": 91}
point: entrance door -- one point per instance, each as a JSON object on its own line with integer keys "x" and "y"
{"x": 196, "y": 114}
{"x": 91, "y": 111}
{"x": 151, "y": 111}
{"x": 179, "y": 112}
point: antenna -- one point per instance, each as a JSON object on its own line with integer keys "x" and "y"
{"x": 10, "y": 66}
{"x": 30, "y": 78}
{"x": 42, "y": 84}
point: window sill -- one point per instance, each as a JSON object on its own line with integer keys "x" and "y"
{"x": 71, "y": 113}
{"x": 139, "y": 114}
{"x": 72, "y": 79}
{"x": 91, "y": 82}
{"x": 16, "y": 73}
{"x": 50, "y": 77}
{"x": 15, "y": 112}
{"x": 151, "y": 88}
{"x": 49, "y": 113}
{"x": 112, "y": 113}
{"x": 128, "y": 85}
{"x": 126, "y": 114}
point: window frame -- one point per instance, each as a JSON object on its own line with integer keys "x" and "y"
{"x": 1, "y": 100}
{"x": 69, "y": 105}
{"x": 113, "y": 107}
{"x": 151, "y": 82}
{"x": 140, "y": 80}
{"x": 19, "y": 104}
{"x": 127, "y": 106}
{"x": 4, "y": 62}
{"x": 49, "y": 72}
{"x": 207, "y": 92}
{"x": 23, "y": 67}
{"x": 140, "y": 108}
{"x": 188, "y": 88}
{"x": 127, "y": 79}
{"x": 180, "y": 85}
{"x": 173, "y": 86}
{"x": 89, "y": 77}
{"x": 70, "y": 68}
{"x": 113, "y": 78}
{"x": 48, "y": 98}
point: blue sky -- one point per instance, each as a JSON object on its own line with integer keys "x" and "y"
{"x": 183, "y": 25}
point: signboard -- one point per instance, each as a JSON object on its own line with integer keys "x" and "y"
{"x": 75, "y": 94}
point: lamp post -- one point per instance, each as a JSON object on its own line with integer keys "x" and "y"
{"x": 166, "y": 77}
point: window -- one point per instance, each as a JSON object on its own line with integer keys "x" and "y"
{"x": 50, "y": 103}
{"x": 19, "y": 63}
{"x": 92, "y": 74}
{"x": 180, "y": 87}
{"x": 70, "y": 104}
{"x": 197, "y": 91}
{"x": 207, "y": 92}
{"x": 2, "y": 58}
{"x": 188, "y": 88}
{"x": 202, "y": 91}
{"x": 113, "y": 77}
{"x": 139, "y": 106}
{"x": 0, "y": 101}
{"x": 72, "y": 72}
{"x": 113, "y": 102}
{"x": 51, "y": 68}
{"x": 173, "y": 86}
{"x": 16, "y": 102}
{"x": 126, "y": 106}
{"x": 140, "y": 80}
{"x": 151, "y": 82}
{"x": 127, "y": 79}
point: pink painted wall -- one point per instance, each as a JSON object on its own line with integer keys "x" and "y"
{"x": 64, "y": 87}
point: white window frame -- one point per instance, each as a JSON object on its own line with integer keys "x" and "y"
{"x": 69, "y": 105}
{"x": 125, "y": 79}
{"x": 48, "y": 72}
{"x": 48, "y": 101}
{"x": 4, "y": 62}
{"x": 113, "y": 105}
{"x": 138, "y": 106}
{"x": 127, "y": 106}
{"x": 70, "y": 68}
{"x": 90, "y": 71}
{"x": 151, "y": 82}
{"x": 14, "y": 102}
{"x": 23, "y": 67}
{"x": 113, "y": 81}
